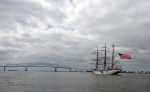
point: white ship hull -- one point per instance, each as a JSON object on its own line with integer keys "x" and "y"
{"x": 109, "y": 72}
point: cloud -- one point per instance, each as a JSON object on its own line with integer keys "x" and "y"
{"x": 91, "y": 23}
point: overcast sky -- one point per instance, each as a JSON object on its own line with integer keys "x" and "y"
{"x": 68, "y": 31}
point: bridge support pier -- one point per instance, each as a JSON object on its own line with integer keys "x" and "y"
{"x": 55, "y": 69}
{"x": 26, "y": 69}
{"x": 4, "y": 68}
{"x": 70, "y": 69}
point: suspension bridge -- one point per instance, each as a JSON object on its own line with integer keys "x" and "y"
{"x": 42, "y": 64}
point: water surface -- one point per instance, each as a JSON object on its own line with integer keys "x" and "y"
{"x": 19, "y": 81}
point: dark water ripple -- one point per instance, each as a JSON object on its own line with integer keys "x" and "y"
{"x": 18, "y": 81}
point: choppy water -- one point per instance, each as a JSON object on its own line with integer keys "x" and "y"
{"x": 19, "y": 81}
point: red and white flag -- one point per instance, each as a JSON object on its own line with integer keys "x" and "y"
{"x": 124, "y": 56}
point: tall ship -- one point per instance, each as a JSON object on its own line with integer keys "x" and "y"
{"x": 106, "y": 65}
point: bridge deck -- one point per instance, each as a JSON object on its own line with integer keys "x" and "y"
{"x": 41, "y": 64}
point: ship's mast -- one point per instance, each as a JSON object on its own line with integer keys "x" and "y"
{"x": 97, "y": 60}
{"x": 105, "y": 58}
{"x": 113, "y": 56}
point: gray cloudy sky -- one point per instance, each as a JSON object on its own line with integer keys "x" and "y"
{"x": 67, "y": 31}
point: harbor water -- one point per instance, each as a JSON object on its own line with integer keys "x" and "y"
{"x": 21, "y": 81}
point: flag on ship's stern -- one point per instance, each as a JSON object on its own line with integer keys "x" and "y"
{"x": 124, "y": 56}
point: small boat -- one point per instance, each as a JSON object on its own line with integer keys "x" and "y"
{"x": 103, "y": 64}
